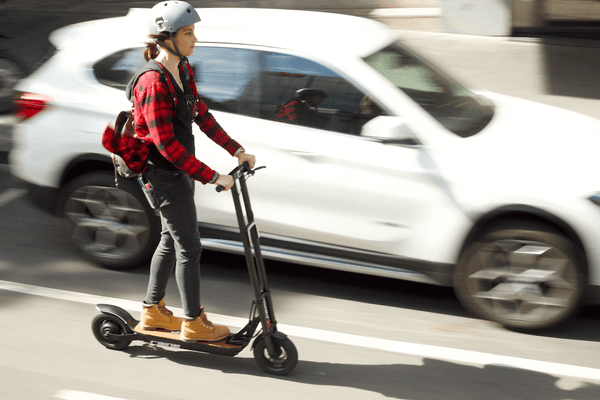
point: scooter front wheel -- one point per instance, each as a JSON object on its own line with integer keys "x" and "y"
{"x": 104, "y": 326}
{"x": 284, "y": 361}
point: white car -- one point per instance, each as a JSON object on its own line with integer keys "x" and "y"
{"x": 405, "y": 173}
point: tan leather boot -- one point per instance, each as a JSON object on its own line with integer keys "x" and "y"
{"x": 157, "y": 316}
{"x": 201, "y": 329}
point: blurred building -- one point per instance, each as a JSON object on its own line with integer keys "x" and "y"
{"x": 476, "y": 17}
{"x": 572, "y": 18}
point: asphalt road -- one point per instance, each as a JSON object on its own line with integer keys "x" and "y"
{"x": 358, "y": 337}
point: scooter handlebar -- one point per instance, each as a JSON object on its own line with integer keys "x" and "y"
{"x": 238, "y": 171}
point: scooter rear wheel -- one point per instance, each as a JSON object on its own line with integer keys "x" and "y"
{"x": 104, "y": 325}
{"x": 285, "y": 360}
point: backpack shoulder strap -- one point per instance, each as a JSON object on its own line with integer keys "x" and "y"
{"x": 189, "y": 76}
{"x": 151, "y": 65}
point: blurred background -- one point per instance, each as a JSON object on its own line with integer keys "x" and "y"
{"x": 546, "y": 51}
{"x": 481, "y": 39}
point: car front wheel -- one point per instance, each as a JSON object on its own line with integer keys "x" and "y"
{"x": 115, "y": 227}
{"x": 524, "y": 279}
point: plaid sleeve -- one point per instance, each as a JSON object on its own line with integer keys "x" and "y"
{"x": 288, "y": 113}
{"x": 155, "y": 104}
{"x": 211, "y": 128}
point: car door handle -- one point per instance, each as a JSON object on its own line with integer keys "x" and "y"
{"x": 305, "y": 153}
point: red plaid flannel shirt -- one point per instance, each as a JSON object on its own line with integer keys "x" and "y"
{"x": 288, "y": 112}
{"x": 154, "y": 110}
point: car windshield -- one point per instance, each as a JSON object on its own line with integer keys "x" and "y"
{"x": 455, "y": 107}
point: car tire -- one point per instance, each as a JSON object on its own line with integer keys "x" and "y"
{"x": 10, "y": 73}
{"x": 525, "y": 278}
{"x": 115, "y": 227}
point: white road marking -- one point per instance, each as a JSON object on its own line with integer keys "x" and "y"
{"x": 415, "y": 349}
{"x": 75, "y": 395}
{"x": 10, "y": 195}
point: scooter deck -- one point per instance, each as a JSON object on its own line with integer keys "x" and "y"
{"x": 174, "y": 338}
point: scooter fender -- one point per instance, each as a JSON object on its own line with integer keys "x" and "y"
{"x": 123, "y": 315}
{"x": 277, "y": 335}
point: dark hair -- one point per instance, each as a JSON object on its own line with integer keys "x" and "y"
{"x": 151, "y": 51}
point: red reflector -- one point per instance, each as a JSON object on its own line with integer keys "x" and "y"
{"x": 29, "y": 104}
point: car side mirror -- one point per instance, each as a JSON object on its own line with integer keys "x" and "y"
{"x": 389, "y": 130}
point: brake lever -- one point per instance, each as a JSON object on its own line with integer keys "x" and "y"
{"x": 252, "y": 171}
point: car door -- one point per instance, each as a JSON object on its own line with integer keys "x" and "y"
{"x": 325, "y": 184}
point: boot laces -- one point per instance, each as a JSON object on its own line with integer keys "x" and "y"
{"x": 164, "y": 310}
{"x": 205, "y": 320}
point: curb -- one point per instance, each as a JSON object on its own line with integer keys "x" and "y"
{"x": 405, "y": 12}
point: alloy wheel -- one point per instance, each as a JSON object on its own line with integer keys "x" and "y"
{"x": 107, "y": 222}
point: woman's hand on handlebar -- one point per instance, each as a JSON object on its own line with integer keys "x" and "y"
{"x": 226, "y": 181}
{"x": 250, "y": 158}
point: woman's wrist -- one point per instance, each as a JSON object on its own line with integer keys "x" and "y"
{"x": 214, "y": 178}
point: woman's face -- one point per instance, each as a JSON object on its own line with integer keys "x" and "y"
{"x": 185, "y": 40}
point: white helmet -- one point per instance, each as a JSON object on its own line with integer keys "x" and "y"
{"x": 169, "y": 16}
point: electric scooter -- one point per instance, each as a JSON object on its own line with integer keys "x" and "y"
{"x": 115, "y": 328}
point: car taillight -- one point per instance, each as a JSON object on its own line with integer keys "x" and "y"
{"x": 29, "y": 104}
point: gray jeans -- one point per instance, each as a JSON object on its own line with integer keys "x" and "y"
{"x": 179, "y": 245}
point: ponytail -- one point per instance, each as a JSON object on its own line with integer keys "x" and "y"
{"x": 152, "y": 49}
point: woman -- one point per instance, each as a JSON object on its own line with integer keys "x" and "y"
{"x": 165, "y": 105}
{"x": 299, "y": 110}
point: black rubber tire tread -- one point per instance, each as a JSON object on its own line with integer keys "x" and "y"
{"x": 117, "y": 327}
{"x": 278, "y": 366}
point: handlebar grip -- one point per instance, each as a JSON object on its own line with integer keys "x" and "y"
{"x": 244, "y": 166}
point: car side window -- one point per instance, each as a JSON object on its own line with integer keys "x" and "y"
{"x": 117, "y": 69}
{"x": 227, "y": 78}
{"x": 345, "y": 109}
